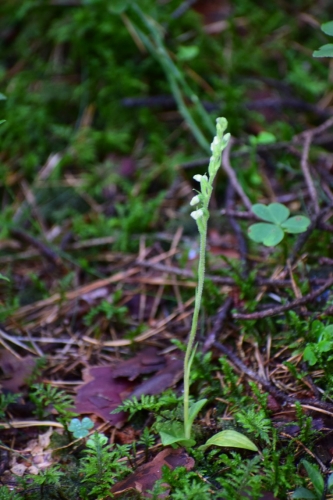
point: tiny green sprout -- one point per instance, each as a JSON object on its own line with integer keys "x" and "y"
{"x": 80, "y": 429}
{"x": 325, "y": 50}
{"x": 278, "y": 222}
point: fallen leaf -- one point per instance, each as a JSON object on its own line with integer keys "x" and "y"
{"x": 16, "y": 370}
{"x": 101, "y": 394}
{"x": 145, "y": 476}
{"x": 145, "y": 362}
{"x": 162, "y": 380}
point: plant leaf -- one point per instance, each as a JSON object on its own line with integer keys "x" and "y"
{"x": 324, "y": 51}
{"x": 262, "y": 212}
{"x": 327, "y": 28}
{"x": 297, "y": 224}
{"x": 275, "y": 212}
{"x": 330, "y": 481}
{"x": 118, "y": 6}
{"x": 316, "y": 478}
{"x": 303, "y": 493}
{"x": 194, "y": 410}
{"x": 232, "y": 439}
{"x": 309, "y": 355}
{"x": 80, "y": 428}
{"x": 268, "y": 234}
{"x": 173, "y": 433}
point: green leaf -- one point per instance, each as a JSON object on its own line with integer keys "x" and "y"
{"x": 297, "y": 224}
{"x": 303, "y": 493}
{"x": 173, "y": 433}
{"x": 309, "y": 355}
{"x": 194, "y": 410}
{"x": 262, "y": 212}
{"x": 315, "y": 477}
{"x": 2, "y": 121}
{"x": 80, "y": 428}
{"x": 275, "y": 212}
{"x": 268, "y": 234}
{"x": 324, "y": 346}
{"x": 118, "y": 6}
{"x": 330, "y": 481}
{"x": 324, "y": 51}
{"x": 265, "y": 138}
{"x": 327, "y": 28}
{"x": 231, "y": 439}
{"x": 2, "y": 277}
{"x": 2, "y": 97}
{"x": 188, "y": 52}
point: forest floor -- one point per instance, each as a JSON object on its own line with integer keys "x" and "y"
{"x": 109, "y": 113}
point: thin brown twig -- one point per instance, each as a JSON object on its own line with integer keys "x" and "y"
{"x": 306, "y": 171}
{"x": 232, "y": 176}
{"x": 273, "y": 311}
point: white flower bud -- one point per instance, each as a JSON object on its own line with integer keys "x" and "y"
{"x": 214, "y": 144}
{"x": 197, "y": 177}
{"x": 195, "y": 200}
{"x": 197, "y": 214}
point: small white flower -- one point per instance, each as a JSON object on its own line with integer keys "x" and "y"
{"x": 214, "y": 144}
{"x": 195, "y": 200}
{"x": 197, "y": 177}
{"x": 197, "y": 214}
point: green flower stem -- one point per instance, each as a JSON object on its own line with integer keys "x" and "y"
{"x": 198, "y": 297}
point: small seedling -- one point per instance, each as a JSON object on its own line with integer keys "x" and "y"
{"x": 278, "y": 222}
{"x": 173, "y": 432}
{"x": 80, "y": 428}
{"x": 317, "y": 481}
{"x": 325, "y": 50}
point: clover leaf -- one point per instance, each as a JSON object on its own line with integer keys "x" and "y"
{"x": 80, "y": 429}
{"x": 325, "y": 50}
{"x": 276, "y": 224}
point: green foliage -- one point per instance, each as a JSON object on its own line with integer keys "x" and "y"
{"x": 5, "y": 400}
{"x": 107, "y": 308}
{"x": 276, "y": 215}
{"x": 148, "y": 403}
{"x": 320, "y": 350}
{"x": 325, "y": 50}
{"x": 101, "y": 467}
{"x": 255, "y": 422}
{"x": 45, "y": 396}
{"x": 317, "y": 482}
{"x": 183, "y": 484}
{"x": 80, "y": 428}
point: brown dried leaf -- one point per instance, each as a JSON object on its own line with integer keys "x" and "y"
{"x": 101, "y": 394}
{"x": 16, "y": 370}
{"x": 146, "y": 361}
{"x": 145, "y": 476}
{"x": 162, "y": 380}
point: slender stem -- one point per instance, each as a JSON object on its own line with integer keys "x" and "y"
{"x": 189, "y": 349}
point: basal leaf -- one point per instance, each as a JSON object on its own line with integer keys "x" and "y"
{"x": 315, "y": 477}
{"x": 327, "y": 28}
{"x": 324, "y": 51}
{"x": 268, "y": 234}
{"x": 231, "y": 439}
{"x": 194, "y": 410}
{"x": 173, "y": 433}
{"x": 297, "y": 224}
{"x": 303, "y": 493}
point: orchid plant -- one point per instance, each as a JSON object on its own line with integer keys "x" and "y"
{"x": 173, "y": 432}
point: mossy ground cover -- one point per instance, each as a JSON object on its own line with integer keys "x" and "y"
{"x": 110, "y": 109}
